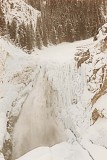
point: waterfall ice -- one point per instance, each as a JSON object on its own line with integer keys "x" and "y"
{"x": 49, "y": 107}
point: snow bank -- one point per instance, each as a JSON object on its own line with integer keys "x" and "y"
{"x": 101, "y": 105}
{"x": 96, "y": 152}
{"x": 97, "y": 133}
{"x": 58, "y": 152}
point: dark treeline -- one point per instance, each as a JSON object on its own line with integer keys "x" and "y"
{"x": 23, "y": 36}
{"x": 69, "y": 20}
{"x": 60, "y": 21}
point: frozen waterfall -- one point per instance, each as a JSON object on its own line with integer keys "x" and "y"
{"x": 48, "y": 110}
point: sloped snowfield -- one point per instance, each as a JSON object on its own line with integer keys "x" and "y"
{"x": 55, "y": 99}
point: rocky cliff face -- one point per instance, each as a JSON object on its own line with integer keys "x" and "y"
{"x": 95, "y": 61}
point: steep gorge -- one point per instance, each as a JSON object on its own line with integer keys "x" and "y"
{"x": 54, "y": 95}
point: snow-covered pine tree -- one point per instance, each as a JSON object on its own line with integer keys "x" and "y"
{"x": 2, "y": 22}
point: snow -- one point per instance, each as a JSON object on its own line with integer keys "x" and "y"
{"x": 102, "y": 32}
{"x": 1, "y": 157}
{"x": 64, "y": 51}
{"x": 62, "y": 151}
{"x": 97, "y": 133}
{"x": 101, "y": 105}
{"x": 97, "y": 152}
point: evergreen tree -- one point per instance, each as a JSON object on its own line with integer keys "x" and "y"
{"x": 22, "y": 33}
{"x": 12, "y": 29}
{"x": 2, "y": 22}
